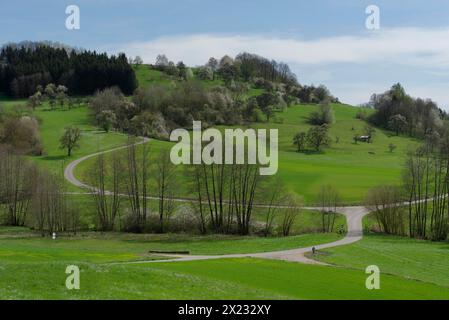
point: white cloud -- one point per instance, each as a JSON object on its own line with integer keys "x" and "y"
{"x": 409, "y": 46}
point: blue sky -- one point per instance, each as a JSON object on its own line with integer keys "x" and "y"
{"x": 324, "y": 41}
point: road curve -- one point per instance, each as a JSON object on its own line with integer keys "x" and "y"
{"x": 69, "y": 170}
{"x": 354, "y": 216}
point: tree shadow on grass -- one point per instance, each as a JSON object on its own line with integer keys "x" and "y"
{"x": 311, "y": 152}
{"x": 99, "y": 132}
{"x": 55, "y": 158}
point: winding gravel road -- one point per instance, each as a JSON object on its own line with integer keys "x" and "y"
{"x": 354, "y": 216}
{"x": 69, "y": 170}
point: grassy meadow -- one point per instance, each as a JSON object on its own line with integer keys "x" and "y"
{"x": 352, "y": 168}
{"x": 53, "y": 124}
{"x": 214, "y": 279}
{"x": 23, "y": 256}
{"x": 114, "y": 247}
{"x": 33, "y": 267}
{"x": 421, "y": 260}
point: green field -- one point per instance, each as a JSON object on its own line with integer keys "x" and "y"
{"x": 113, "y": 247}
{"x": 53, "y": 123}
{"x": 214, "y": 279}
{"x": 34, "y": 268}
{"x": 52, "y": 127}
{"x": 409, "y": 258}
{"x": 352, "y": 168}
{"x": 149, "y": 77}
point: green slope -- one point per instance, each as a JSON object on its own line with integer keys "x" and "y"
{"x": 214, "y": 279}
{"x": 352, "y": 168}
{"x": 409, "y": 258}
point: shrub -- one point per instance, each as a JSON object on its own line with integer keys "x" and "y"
{"x": 324, "y": 115}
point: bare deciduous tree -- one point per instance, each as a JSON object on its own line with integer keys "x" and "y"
{"x": 384, "y": 202}
{"x": 51, "y": 210}
{"x": 16, "y": 187}
{"x": 276, "y": 195}
{"x": 245, "y": 178}
{"x": 328, "y": 199}
{"x": 137, "y": 184}
{"x": 165, "y": 186}
{"x": 289, "y": 215}
{"x": 107, "y": 203}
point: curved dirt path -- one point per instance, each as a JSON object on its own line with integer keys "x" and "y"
{"x": 69, "y": 170}
{"x": 354, "y": 216}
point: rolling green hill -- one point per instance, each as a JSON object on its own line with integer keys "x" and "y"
{"x": 352, "y": 168}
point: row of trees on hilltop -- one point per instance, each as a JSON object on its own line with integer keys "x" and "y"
{"x": 253, "y": 66}
{"x": 244, "y": 67}
{"x": 24, "y": 68}
{"x": 249, "y": 69}
{"x": 399, "y": 112}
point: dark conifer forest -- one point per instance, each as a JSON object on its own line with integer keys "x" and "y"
{"x": 23, "y": 69}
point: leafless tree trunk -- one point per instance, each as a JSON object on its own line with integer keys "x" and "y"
{"x": 245, "y": 179}
{"x": 276, "y": 194}
{"x": 383, "y": 201}
{"x": 416, "y": 182}
{"x": 198, "y": 207}
{"x": 225, "y": 195}
{"x": 107, "y": 203}
{"x": 16, "y": 187}
{"x": 328, "y": 200}
{"x": 137, "y": 185}
{"x": 165, "y": 186}
{"x": 439, "y": 218}
{"x": 50, "y": 207}
{"x": 289, "y": 216}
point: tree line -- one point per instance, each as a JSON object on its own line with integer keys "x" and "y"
{"x": 33, "y": 197}
{"x": 420, "y": 207}
{"x": 397, "y": 111}
{"x": 155, "y": 111}
{"x": 24, "y": 68}
{"x": 249, "y": 69}
{"x": 223, "y": 196}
